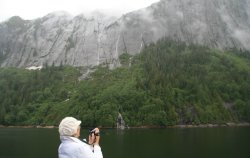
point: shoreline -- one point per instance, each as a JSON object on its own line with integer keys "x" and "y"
{"x": 229, "y": 124}
{"x": 46, "y": 127}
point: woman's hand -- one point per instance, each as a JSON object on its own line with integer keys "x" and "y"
{"x": 94, "y": 137}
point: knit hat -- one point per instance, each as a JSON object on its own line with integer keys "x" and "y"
{"x": 68, "y": 126}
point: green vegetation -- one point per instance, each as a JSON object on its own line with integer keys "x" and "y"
{"x": 168, "y": 83}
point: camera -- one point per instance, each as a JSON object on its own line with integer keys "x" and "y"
{"x": 92, "y": 131}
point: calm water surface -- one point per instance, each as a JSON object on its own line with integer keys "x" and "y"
{"x": 233, "y": 142}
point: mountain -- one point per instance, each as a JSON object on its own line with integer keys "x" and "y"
{"x": 168, "y": 83}
{"x": 59, "y": 38}
{"x": 214, "y": 23}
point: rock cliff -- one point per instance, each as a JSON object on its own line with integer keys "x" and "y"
{"x": 59, "y": 38}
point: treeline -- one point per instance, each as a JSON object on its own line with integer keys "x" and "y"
{"x": 168, "y": 83}
{"x": 196, "y": 84}
{"x": 27, "y": 96}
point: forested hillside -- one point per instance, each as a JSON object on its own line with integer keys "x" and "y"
{"x": 169, "y": 83}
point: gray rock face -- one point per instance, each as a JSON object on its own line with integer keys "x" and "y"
{"x": 59, "y": 38}
{"x": 54, "y": 39}
{"x": 214, "y": 23}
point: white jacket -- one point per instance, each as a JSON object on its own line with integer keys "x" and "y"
{"x": 72, "y": 147}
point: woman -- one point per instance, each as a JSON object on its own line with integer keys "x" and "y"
{"x": 71, "y": 146}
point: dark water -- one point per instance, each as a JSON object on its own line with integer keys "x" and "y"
{"x": 145, "y": 143}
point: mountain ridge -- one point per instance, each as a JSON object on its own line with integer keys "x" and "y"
{"x": 59, "y": 38}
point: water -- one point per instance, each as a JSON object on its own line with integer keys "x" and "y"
{"x": 133, "y": 143}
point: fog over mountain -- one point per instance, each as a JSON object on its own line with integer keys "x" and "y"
{"x": 59, "y": 38}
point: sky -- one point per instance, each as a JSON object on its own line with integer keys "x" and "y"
{"x": 31, "y": 9}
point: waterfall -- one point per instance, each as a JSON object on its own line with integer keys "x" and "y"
{"x": 141, "y": 43}
{"x": 120, "y": 123}
{"x": 116, "y": 55}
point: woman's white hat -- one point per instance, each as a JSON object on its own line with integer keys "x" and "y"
{"x": 68, "y": 126}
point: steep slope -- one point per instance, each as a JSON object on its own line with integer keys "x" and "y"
{"x": 59, "y": 38}
{"x": 168, "y": 83}
{"x": 214, "y": 23}
{"x": 56, "y": 39}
